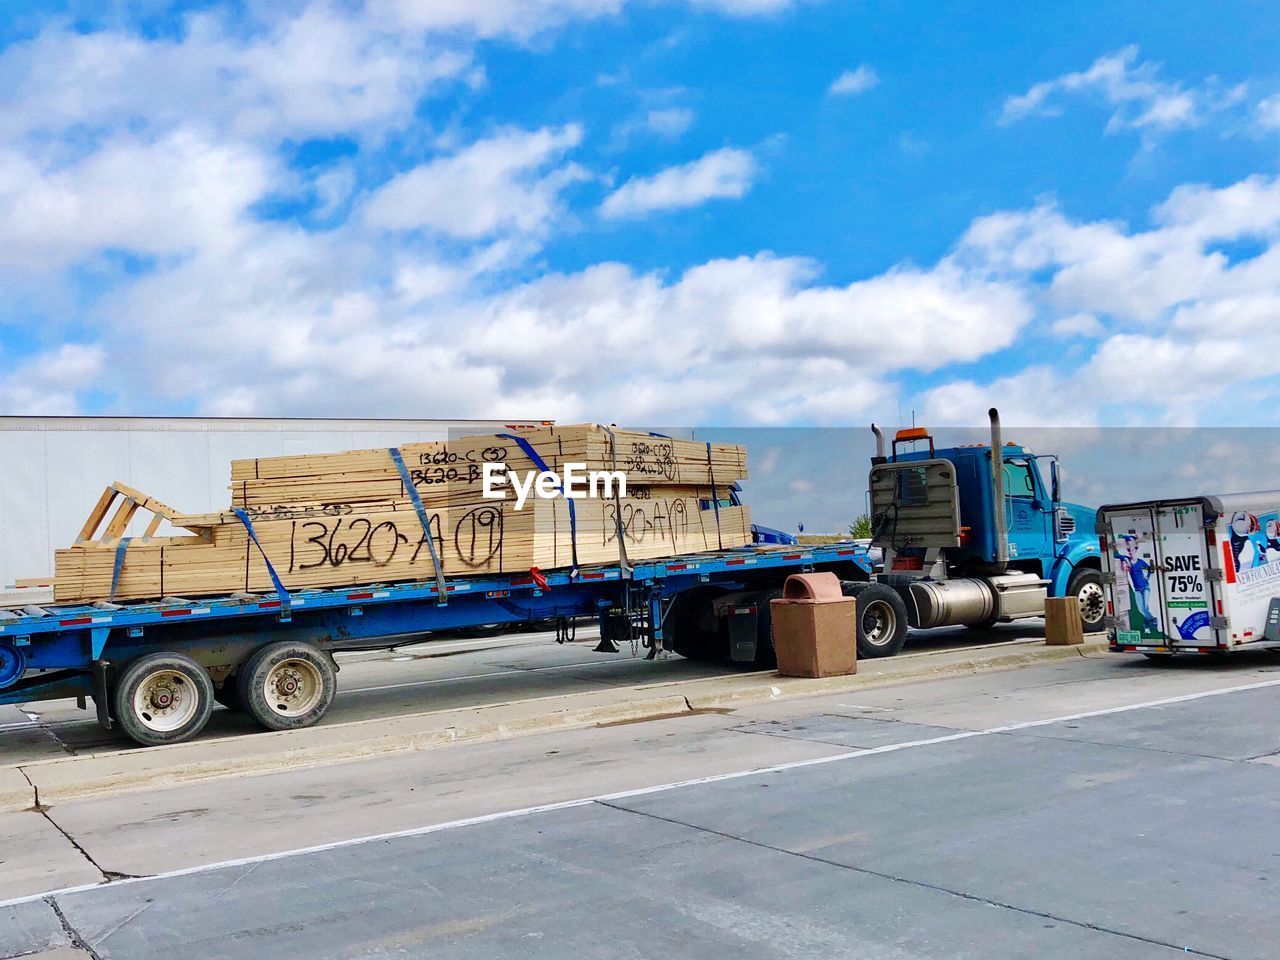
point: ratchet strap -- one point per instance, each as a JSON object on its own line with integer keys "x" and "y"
{"x": 715, "y": 495}
{"x": 623, "y": 562}
{"x": 527, "y": 448}
{"x": 286, "y": 604}
{"x": 407, "y": 482}
{"x": 117, "y": 566}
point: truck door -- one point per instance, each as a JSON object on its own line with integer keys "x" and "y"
{"x": 1135, "y": 595}
{"x": 1184, "y": 596}
{"x": 1028, "y": 516}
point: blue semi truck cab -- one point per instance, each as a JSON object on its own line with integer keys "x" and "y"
{"x": 971, "y": 536}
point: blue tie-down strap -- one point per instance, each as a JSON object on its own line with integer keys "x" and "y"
{"x": 624, "y": 564}
{"x": 541, "y": 464}
{"x": 118, "y": 566}
{"x": 715, "y": 495}
{"x": 286, "y": 604}
{"x": 442, "y": 590}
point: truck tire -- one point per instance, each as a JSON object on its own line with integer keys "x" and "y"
{"x": 882, "y": 621}
{"x": 688, "y": 637}
{"x": 287, "y": 685}
{"x": 1086, "y": 586}
{"x": 162, "y": 698}
{"x": 766, "y": 655}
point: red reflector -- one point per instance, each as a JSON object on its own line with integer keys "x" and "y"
{"x": 75, "y": 622}
{"x": 593, "y": 576}
{"x": 677, "y": 566}
{"x": 1111, "y": 609}
{"x": 734, "y": 563}
{"x": 521, "y": 581}
{"x": 1247, "y": 633}
{"x": 1219, "y": 608}
{"x": 268, "y": 604}
{"x": 793, "y": 556}
{"x": 1206, "y": 649}
{"x": 908, "y": 563}
{"x": 175, "y": 613}
{"x": 359, "y": 596}
{"x": 845, "y": 553}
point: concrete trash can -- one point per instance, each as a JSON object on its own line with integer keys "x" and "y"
{"x": 815, "y": 627}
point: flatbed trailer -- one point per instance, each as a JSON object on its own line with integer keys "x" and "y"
{"x": 154, "y": 669}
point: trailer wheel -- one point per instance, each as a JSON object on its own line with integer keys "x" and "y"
{"x": 766, "y": 655}
{"x": 688, "y": 637}
{"x": 1086, "y": 586}
{"x": 163, "y": 698}
{"x": 287, "y": 686}
{"x": 882, "y": 621}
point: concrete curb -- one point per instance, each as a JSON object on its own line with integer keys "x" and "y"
{"x": 62, "y": 780}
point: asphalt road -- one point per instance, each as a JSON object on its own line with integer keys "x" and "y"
{"x": 1092, "y": 808}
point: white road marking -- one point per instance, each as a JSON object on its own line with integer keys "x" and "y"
{"x": 639, "y": 792}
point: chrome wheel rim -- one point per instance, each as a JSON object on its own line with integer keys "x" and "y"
{"x": 165, "y": 701}
{"x": 1092, "y": 603}
{"x": 293, "y": 687}
{"x": 879, "y": 621}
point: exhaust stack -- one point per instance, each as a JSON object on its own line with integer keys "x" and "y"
{"x": 879, "y": 441}
{"x": 997, "y": 490}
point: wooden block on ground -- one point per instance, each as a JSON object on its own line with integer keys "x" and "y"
{"x": 1062, "y": 624}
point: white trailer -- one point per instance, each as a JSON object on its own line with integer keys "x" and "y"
{"x": 1192, "y": 575}
{"x": 53, "y": 469}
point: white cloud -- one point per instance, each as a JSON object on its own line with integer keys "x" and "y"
{"x": 746, "y": 8}
{"x": 1077, "y": 325}
{"x": 519, "y": 19}
{"x": 669, "y": 122}
{"x": 1032, "y": 397}
{"x": 167, "y": 197}
{"x": 723, "y": 174}
{"x": 1134, "y": 91}
{"x": 853, "y": 82}
{"x": 1268, "y": 112}
{"x": 522, "y": 19}
{"x": 1181, "y": 325}
{"x": 315, "y": 73}
{"x": 48, "y": 383}
{"x": 501, "y": 183}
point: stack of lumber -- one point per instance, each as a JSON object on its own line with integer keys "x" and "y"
{"x": 347, "y": 518}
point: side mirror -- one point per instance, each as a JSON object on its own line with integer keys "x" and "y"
{"x": 1055, "y": 483}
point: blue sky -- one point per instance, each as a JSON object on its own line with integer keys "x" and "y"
{"x": 747, "y": 212}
